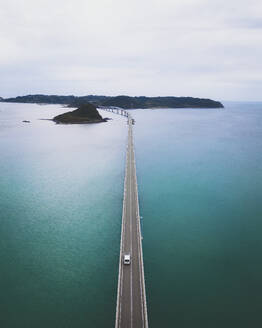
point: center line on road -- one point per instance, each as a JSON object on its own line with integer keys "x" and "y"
{"x": 130, "y": 217}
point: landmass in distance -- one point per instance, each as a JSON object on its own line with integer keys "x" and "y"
{"x": 124, "y": 102}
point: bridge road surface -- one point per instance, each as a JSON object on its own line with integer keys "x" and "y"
{"x": 131, "y": 309}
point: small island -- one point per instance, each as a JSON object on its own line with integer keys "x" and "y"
{"x": 84, "y": 114}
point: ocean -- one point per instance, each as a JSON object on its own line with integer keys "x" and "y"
{"x": 61, "y": 191}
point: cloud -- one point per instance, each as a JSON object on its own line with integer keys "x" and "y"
{"x": 191, "y": 47}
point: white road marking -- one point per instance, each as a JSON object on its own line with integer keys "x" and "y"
{"x": 131, "y": 243}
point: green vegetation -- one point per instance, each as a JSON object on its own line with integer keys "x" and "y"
{"x": 55, "y": 99}
{"x": 86, "y": 113}
{"x": 161, "y": 102}
{"x": 120, "y": 101}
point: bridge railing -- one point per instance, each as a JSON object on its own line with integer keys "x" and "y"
{"x": 115, "y": 110}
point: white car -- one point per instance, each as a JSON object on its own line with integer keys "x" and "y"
{"x": 127, "y": 259}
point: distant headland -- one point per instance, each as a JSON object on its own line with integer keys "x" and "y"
{"x": 86, "y": 113}
{"x": 125, "y": 102}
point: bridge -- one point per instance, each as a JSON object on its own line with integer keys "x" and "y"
{"x": 131, "y": 308}
{"x": 115, "y": 110}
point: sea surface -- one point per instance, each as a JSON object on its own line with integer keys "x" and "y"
{"x": 200, "y": 191}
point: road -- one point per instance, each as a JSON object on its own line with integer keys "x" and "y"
{"x": 131, "y": 310}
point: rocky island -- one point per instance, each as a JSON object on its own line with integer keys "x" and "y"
{"x": 86, "y": 113}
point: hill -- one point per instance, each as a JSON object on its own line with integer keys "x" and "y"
{"x": 56, "y": 99}
{"x": 120, "y": 101}
{"x": 161, "y": 102}
{"x": 86, "y": 113}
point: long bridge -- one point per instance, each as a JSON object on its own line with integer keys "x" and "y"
{"x": 131, "y": 308}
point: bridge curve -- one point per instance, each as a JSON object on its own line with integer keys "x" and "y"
{"x": 115, "y": 110}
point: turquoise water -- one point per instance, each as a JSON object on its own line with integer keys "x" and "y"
{"x": 199, "y": 174}
{"x": 200, "y": 184}
{"x": 61, "y": 203}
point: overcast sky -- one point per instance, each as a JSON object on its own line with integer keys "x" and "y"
{"x": 202, "y": 48}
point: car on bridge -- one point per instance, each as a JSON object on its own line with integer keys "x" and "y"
{"x": 127, "y": 259}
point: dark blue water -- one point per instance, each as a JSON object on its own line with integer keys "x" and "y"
{"x": 199, "y": 174}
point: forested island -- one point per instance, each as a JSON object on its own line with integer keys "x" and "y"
{"x": 125, "y": 102}
{"x": 86, "y": 113}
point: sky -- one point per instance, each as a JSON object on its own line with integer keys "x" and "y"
{"x": 199, "y": 48}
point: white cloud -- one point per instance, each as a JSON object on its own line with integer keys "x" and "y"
{"x": 192, "y": 47}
